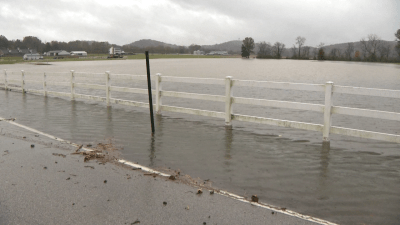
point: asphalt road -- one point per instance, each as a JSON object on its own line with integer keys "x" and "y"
{"x": 38, "y": 187}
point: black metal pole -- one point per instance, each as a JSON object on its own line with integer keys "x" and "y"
{"x": 149, "y": 90}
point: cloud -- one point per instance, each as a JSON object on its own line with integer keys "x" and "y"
{"x": 203, "y": 22}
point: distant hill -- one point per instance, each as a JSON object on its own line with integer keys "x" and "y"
{"x": 230, "y": 46}
{"x": 144, "y": 43}
{"x": 235, "y": 46}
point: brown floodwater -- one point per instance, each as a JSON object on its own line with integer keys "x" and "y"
{"x": 352, "y": 181}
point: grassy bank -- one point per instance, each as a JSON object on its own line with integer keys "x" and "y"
{"x": 95, "y": 57}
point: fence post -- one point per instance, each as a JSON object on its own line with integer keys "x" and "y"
{"x": 158, "y": 93}
{"x": 108, "y": 88}
{"x": 228, "y": 101}
{"x": 5, "y": 80}
{"x": 44, "y": 85}
{"x": 23, "y": 81}
{"x": 327, "y": 111}
{"x": 72, "y": 85}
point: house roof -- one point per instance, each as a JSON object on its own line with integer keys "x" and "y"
{"x": 24, "y": 50}
{"x": 14, "y": 51}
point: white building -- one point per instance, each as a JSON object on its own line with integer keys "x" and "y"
{"x": 57, "y": 53}
{"x": 79, "y": 53}
{"x": 198, "y": 52}
{"x": 32, "y": 56}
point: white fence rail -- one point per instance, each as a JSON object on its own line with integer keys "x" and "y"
{"x": 327, "y": 109}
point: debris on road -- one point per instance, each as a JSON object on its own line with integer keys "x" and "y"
{"x": 199, "y": 192}
{"x": 254, "y": 198}
{"x": 136, "y": 222}
{"x": 211, "y": 192}
{"x": 79, "y": 147}
{"x": 32, "y": 146}
{"x": 57, "y": 154}
{"x": 172, "y": 177}
{"x": 164, "y": 203}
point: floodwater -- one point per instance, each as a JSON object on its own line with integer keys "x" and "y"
{"x": 352, "y": 181}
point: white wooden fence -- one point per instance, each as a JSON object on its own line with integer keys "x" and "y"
{"x": 327, "y": 109}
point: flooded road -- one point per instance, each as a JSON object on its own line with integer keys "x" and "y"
{"x": 352, "y": 181}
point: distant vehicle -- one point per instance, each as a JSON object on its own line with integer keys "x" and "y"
{"x": 115, "y": 52}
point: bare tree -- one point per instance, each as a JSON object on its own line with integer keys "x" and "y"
{"x": 370, "y": 46}
{"x": 334, "y": 53}
{"x": 278, "y": 49}
{"x": 398, "y": 41}
{"x": 264, "y": 49}
{"x": 349, "y": 51}
{"x": 300, "y": 42}
{"x": 305, "y": 52}
{"x": 384, "y": 51}
{"x": 293, "y": 49}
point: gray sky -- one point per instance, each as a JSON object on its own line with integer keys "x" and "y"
{"x": 184, "y": 22}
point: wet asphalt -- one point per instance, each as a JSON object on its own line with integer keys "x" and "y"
{"x": 39, "y": 187}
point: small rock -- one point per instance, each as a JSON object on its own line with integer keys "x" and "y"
{"x": 89, "y": 145}
{"x": 187, "y": 207}
{"x": 24, "y": 137}
{"x": 254, "y": 198}
{"x": 211, "y": 192}
{"x": 45, "y": 168}
{"x": 172, "y": 177}
{"x": 105, "y": 181}
{"x": 55, "y": 162}
{"x": 204, "y": 223}
{"x": 73, "y": 203}
{"x": 284, "y": 209}
{"x": 272, "y": 213}
{"x": 164, "y": 203}
{"x": 69, "y": 178}
{"x": 199, "y": 192}
{"x": 32, "y": 146}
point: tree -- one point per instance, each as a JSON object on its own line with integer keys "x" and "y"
{"x": 3, "y": 42}
{"x": 194, "y": 47}
{"x": 300, "y": 42}
{"x": 278, "y": 49}
{"x": 245, "y": 53}
{"x": 349, "y": 51}
{"x": 398, "y": 41}
{"x": 305, "y": 53}
{"x": 384, "y": 51}
{"x": 370, "y": 47}
{"x": 321, "y": 52}
{"x": 357, "y": 55}
{"x": 264, "y": 50}
{"x": 247, "y": 47}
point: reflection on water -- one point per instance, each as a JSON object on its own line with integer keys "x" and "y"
{"x": 349, "y": 181}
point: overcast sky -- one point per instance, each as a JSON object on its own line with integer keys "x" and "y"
{"x": 184, "y": 22}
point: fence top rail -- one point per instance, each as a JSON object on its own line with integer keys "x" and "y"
{"x": 280, "y": 85}
{"x": 194, "y": 80}
{"x": 366, "y": 91}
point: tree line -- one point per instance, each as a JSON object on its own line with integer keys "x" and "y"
{"x": 371, "y": 49}
{"x": 32, "y": 42}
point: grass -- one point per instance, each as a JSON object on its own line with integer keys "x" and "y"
{"x": 95, "y": 57}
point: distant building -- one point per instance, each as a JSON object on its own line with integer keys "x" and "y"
{"x": 198, "y": 52}
{"x": 32, "y": 56}
{"x": 79, "y": 53}
{"x": 57, "y": 53}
